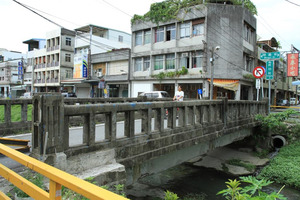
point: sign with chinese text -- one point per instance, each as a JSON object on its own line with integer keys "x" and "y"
{"x": 80, "y": 66}
{"x": 270, "y": 55}
{"x": 20, "y": 70}
{"x": 293, "y": 64}
{"x": 270, "y": 70}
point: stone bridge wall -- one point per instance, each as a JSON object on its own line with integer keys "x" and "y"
{"x": 9, "y": 127}
{"x": 199, "y": 121}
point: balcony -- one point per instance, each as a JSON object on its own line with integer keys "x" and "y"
{"x": 53, "y": 48}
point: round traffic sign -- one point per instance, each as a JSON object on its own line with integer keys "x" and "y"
{"x": 259, "y": 72}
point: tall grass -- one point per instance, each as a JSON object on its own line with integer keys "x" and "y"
{"x": 15, "y": 113}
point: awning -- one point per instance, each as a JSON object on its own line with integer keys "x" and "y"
{"x": 229, "y": 84}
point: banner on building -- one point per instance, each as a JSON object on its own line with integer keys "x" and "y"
{"x": 293, "y": 64}
{"x": 80, "y": 65}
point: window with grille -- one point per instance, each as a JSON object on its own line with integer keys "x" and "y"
{"x": 147, "y": 37}
{"x": 198, "y": 27}
{"x": 158, "y": 62}
{"x": 159, "y": 35}
{"x": 171, "y": 32}
{"x": 68, "y": 57}
{"x": 197, "y": 59}
{"x": 185, "y": 30}
{"x": 170, "y": 61}
{"x": 138, "y": 64}
{"x": 68, "y": 41}
{"x": 138, "y": 38}
{"x": 146, "y": 64}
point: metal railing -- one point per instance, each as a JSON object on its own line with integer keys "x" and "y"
{"x": 57, "y": 179}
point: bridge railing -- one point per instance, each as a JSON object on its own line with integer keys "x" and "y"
{"x": 22, "y": 106}
{"x": 57, "y": 179}
{"x": 8, "y": 108}
{"x": 125, "y": 123}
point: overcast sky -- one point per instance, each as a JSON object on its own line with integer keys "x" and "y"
{"x": 276, "y": 18}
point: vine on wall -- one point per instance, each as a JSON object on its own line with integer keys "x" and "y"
{"x": 167, "y": 10}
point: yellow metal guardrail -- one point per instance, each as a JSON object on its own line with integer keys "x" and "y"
{"x": 285, "y": 107}
{"x": 57, "y": 178}
{"x": 17, "y": 144}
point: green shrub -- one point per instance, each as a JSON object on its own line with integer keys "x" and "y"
{"x": 253, "y": 190}
{"x": 285, "y": 167}
{"x": 170, "y": 196}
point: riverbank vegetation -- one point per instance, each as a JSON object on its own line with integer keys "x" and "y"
{"x": 284, "y": 168}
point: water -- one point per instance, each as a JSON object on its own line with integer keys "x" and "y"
{"x": 186, "y": 179}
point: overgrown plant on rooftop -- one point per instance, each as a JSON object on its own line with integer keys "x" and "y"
{"x": 168, "y": 10}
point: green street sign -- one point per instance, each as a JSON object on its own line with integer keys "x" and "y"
{"x": 270, "y": 70}
{"x": 270, "y": 55}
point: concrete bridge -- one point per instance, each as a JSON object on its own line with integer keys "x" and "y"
{"x": 124, "y": 141}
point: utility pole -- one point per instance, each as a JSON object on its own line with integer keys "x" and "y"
{"x": 212, "y": 58}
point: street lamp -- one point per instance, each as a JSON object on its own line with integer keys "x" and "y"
{"x": 213, "y": 49}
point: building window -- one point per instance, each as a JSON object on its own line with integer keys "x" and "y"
{"x": 170, "y": 61}
{"x": 68, "y": 74}
{"x": 138, "y": 64}
{"x": 158, "y": 62}
{"x": 248, "y": 33}
{"x": 249, "y": 64}
{"x": 146, "y": 64}
{"x": 68, "y": 57}
{"x": 120, "y": 38}
{"x": 147, "y": 37}
{"x": 197, "y": 59}
{"x": 159, "y": 34}
{"x": 68, "y": 41}
{"x": 138, "y": 38}
{"x": 198, "y": 27}
{"x": 185, "y": 30}
{"x": 184, "y": 60}
{"x": 171, "y": 32}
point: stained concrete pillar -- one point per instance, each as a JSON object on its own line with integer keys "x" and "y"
{"x": 48, "y": 124}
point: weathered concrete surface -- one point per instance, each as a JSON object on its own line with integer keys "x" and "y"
{"x": 100, "y": 164}
{"x": 217, "y": 158}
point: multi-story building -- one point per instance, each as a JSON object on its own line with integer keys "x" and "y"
{"x": 11, "y": 72}
{"x": 91, "y": 41}
{"x": 111, "y": 69}
{"x": 55, "y": 62}
{"x": 35, "y": 47}
{"x": 203, "y": 35}
{"x": 9, "y": 78}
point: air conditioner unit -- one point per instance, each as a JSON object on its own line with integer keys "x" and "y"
{"x": 185, "y": 55}
{"x": 99, "y": 74}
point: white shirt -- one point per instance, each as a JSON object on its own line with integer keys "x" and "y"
{"x": 178, "y": 95}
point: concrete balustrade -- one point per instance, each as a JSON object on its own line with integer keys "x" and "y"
{"x": 8, "y": 126}
{"x": 52, "y": 115}
{"x": 136, "y": 133}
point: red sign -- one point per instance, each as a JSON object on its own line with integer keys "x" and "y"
{"x": 259, "y": 72}
{"x": 293, "y": 64}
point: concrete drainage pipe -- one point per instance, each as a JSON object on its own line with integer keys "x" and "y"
{"x": 278, "y": 141}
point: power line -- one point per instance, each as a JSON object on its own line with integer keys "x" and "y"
{"x": 293, "y": 3}
{"x": 38, "y": 14}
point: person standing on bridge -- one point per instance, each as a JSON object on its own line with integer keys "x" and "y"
{"x": 179, "y": 94}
